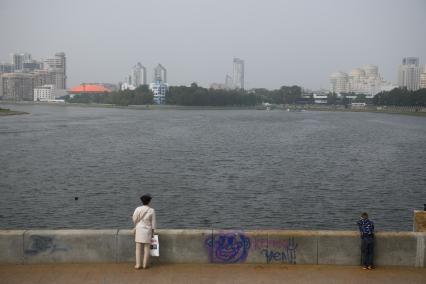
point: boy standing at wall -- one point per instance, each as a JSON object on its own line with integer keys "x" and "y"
{"x": 366, "y": 228}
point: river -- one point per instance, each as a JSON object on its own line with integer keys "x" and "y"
{"x": 240, "y": 169}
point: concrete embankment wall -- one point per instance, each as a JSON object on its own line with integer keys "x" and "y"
{"x": 211, "y": 246}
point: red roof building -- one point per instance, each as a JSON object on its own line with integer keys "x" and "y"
{"x": 89, "y": 89}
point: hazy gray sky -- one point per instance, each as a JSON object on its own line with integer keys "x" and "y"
{"x": 282, "y": 42}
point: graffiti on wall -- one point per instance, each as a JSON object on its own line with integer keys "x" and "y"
{"x": 228, "y": 247}
{"x": 235, "y": 247}
{"x": 281, "y": 251}
{"x": 39, "y": 244}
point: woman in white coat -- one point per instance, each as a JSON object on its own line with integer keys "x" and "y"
{"x": 145, "y": 223}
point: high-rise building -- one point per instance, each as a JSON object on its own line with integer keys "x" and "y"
{"x": 17, "y": 86}
{"x": 138, "y": 75}
{"x": 159, "y": 87}
{"x": 160, "y": 74}
{"x": 229, "y": 84}
{"x": 422, "y": 84}
{"x": 43, "y": 77}
{"x": 18, "y": 60}
{"x": 238, "y": 73}
{"x": 32, "y": 65}
{"x": 57, "y": 65}
{"x": 410, "y": 61}
{"x": 409, "y": 73}
{"x": 339, "y": 82}
{"x": 51, "y": 71}
{"x": 6, "y": 68}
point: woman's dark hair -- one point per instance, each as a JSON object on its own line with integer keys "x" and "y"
{"x": 364, "y": 215}
{"x": 146, "y": 199}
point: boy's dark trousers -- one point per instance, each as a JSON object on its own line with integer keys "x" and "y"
{"x": 367, "y": 251}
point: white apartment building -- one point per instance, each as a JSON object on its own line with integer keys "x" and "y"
{"x": 229, "y": 83}
{"x": 409, "y": 73}
{"x": 138, "y": 75}
{"x": 339, "y": 82}
{"x": 159, "y": 89}
{"x": 17, "y": 86}
{"x": 422, "y": 84}
{"x": 238, "y": 73}
{"x": 18, "y": 60}
{"x": 57, "y": 66}
{"x": 365, "y": 80}
{"x": 160, "y": 74}
{"x": 45, "y": 93}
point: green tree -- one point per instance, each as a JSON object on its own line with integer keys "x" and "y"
{"x": 331, "y": 98}
{"x": 401, "y": 97}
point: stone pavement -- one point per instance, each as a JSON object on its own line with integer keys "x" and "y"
{"x": 124, "y": 273}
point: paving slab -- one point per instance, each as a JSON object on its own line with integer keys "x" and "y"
{"x": 124, "y": 273}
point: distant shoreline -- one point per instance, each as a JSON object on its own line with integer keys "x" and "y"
{"x": 421, "y": 114}
{"x": 330, "y": 108}
{"x": 6, "y": 112}
{"x": 135, "y": 107}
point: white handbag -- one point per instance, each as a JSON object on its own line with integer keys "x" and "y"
{"x": 155, "y": 246}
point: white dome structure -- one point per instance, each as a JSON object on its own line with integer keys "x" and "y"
{"x": 356, "y": 80}
{"x": 357, "y": 72}
{"x": 365, "y": 80}
{"x": 371, "y": 70}
{"x": 339, "y": 75}
{"x": 339, "y": 82}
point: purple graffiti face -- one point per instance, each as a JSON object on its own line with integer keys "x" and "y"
{"x": 228, "y": 247}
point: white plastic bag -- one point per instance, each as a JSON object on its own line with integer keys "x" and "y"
{"x": 155, "y": 246}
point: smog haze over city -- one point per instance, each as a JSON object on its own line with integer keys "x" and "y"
{"x": 282, "y": 42}
{"x": 304, "y": 113}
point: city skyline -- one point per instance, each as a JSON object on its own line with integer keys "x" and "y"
{"x": 286, "y": 43}
{"x": 26, "y": 79}
{"x": 360, "y": 80}
{"x": 340, "y": 81}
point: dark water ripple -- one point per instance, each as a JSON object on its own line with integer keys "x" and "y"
{"x": 221, "y": 169}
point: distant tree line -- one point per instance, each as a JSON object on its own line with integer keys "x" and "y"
{"x": 283, "y": 95}
{"x": 395, "y": 97}
{"x": 401, "y": 97}
{"x": 140, "y": 96}
{"x": 195, "y": 95}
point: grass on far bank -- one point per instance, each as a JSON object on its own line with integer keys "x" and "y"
{"x": 6, "y": 111}
{"x": 375, "y": 111}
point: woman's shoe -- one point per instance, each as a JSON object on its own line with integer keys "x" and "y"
{"x": 370, "y": 267}
{"x": 137, "y": 267}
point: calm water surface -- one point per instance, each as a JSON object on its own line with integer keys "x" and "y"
{"x": 210, "y": 168}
